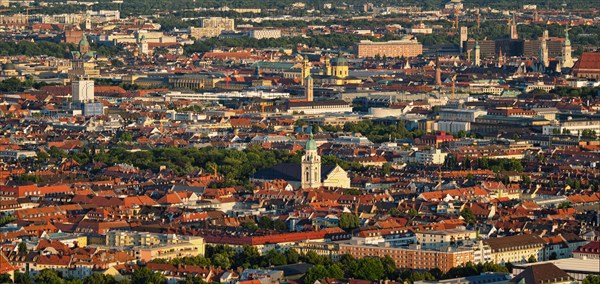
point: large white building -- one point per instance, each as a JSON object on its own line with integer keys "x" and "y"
{"x": 573, "y": 127}
{"x": 460, "y": 114}
{"x": 446, "y": 238}
{"x": 83, "y": 91}
{"x": 265, "y": 33}
{"x": 431, "y": 157}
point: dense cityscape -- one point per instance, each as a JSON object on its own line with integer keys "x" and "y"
{"x": 301, "y": 142}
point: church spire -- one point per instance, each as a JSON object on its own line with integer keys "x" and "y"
{"x": 513, "y": 27}
{"x": 311, "y": 165}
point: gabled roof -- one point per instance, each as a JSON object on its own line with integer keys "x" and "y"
{"x": 541, "y": 273}
{"x": 288, "y": 172}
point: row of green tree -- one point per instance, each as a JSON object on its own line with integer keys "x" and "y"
{"x": 28, "y": 48}
{"x": 14, "y": 85}
{"x": 484, "y": 163}
{"x": 334, "y": 40}
{"x": 375, "y": 132}
{"x": 48, "y": 276}
{"x": 584, "y": 92}
{"x": 236, "y": 166}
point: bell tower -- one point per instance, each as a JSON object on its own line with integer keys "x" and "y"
{"x": 311, "y": 165}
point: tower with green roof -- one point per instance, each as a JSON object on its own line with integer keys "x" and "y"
{"x": 311, "y": 165}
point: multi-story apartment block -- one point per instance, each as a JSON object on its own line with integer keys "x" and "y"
{"x": 412, "y": 258}
{"x": 394, "y": 48}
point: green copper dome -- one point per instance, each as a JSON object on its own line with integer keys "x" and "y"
{"x": 311, "y": 144}
{"x": 84, "y": 41}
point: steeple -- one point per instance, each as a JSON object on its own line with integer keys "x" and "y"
{"x": 311, "y": 165}
{"x": 305, "y": 69}
{"x": 308, "y": 89}
{"x": 513, "y": 27}
{"x": 327, "y": 67}
{"x": 543, "y": 55}
{"x": 477, "y": 54}
{"x": 84, "y": 45}
{"x": 567, "y": 60}
{"x": 500, "y": 59}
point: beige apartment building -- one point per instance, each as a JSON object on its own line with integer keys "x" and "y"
{"x": 445, "y": 238}
{"x": 516, "y": 249}
{"x": 212, "y": 27}
{"x": 394, "y": 48}
{"x": 147, "y": 246}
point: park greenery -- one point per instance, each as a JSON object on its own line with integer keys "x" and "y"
{"x": 29, "y": 48}
{"x": 236, "y": 166}
{"x": 47, "y": 276}
{"x": 329, "y": 41}
{"x": 375, "y": 132}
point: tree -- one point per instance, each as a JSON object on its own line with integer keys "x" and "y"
{"x": 591, "y": 279}
{"x": 7, "y": 219}
{"x": 292, "y": 256}
{"x": 531, "y": 259}
{"x": 117, "y": 63}
{"x": 221, "y": 259}
{"x": 370, "y": 268}
{"x": 315, "y": 273}
{"x": 335, "y": 271}
{"x": 389, "y": 266}
{"x": 97, "y": 278}
{"x": 22, "y": 248}
{"x": 5, "y": 278}
{"x": 249, "y": 225}
{"x": 348, "y": 221}
{"x": 276, "y": 258}
{"x": 22, "y": 278}
{"x": 147, "y": 276}
{"x": 468, "y": 215}
{"x": 48, "y": 276}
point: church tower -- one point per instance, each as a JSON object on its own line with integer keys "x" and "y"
{"x": 327, "y": 71}
{"x": 84, "y": 45}
{"x": 143, "y": 46}
{"x": 305, "y": 72}
{"x": 513, "y": 28}
{"x": 477, "y": 54}
{"x": 308, "y": 88}
{"x": 567, "y": 60}
{"x": 311, "y": 165}
{"x": 464, "y": 36}
{"x": 543, "y": 56}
